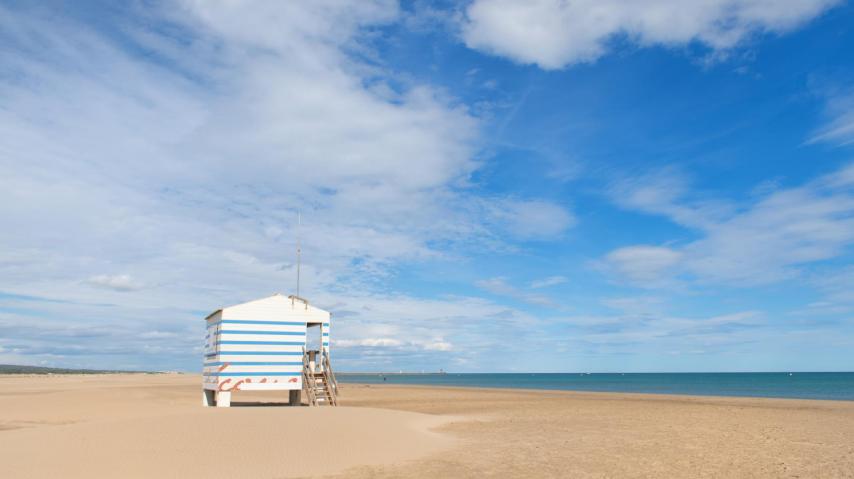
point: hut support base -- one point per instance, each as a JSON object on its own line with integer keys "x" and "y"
{"x": 223, "y": 399}
{"x": 208, "y": 398}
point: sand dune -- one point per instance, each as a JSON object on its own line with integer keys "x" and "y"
{"x": 154, "y": 426}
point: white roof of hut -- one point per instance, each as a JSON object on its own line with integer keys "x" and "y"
{"x": 273, "y": 308}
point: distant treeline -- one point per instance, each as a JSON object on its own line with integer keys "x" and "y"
{"x": 17, "y": 369}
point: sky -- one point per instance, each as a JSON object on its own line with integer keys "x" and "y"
{"x": 484, "y": 186}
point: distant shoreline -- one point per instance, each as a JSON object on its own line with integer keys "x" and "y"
{"x": 819, "y": 386}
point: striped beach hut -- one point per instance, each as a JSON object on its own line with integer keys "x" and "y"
{"x": 278, "y": 343}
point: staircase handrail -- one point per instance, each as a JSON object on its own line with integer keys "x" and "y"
{"x": 333, "y": 383}
{"x": 308, "y": 380}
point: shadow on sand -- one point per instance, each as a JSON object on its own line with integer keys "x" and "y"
{"x": 264, "y": 404}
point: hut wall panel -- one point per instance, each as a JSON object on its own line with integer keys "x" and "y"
{"x": 269, "y": 386}
{"x": 261, "y": 356}
{"x": 210, "y": 337}
{"x": 231, "y": 370}
{"x": 274, "y": 326}
{"x": 253, "y": 361}
{"x": 211, "y": 348}
{"x": 258, "y": 382}
{"x": 253, "y": 374}
{"x": 289, "y": 339}
{"x": 226, "y": 348}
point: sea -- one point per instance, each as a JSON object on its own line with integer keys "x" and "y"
{"x": 799, "y": 385}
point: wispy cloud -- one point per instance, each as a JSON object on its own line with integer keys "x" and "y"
{"x": 763, "y": 241}
{"x": 547, "y": 282}
{"x": 839, "y": 128}
{"x": 646, "y": 305}
{"x": 428, "y": 345}
{"x": 528, "y": 219}
{"x": 500, "y": 286}
{"x": 835, "y": 287}
{"x": 642, "y": 264}
{"x": 665, "y": 333}
{"x": 668, "y": 192}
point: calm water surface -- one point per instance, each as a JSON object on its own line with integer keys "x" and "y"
{"x": 838, "y": 386}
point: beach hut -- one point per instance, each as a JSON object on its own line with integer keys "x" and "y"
{"x": 278, "y": 343}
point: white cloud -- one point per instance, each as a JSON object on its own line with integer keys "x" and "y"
{"x": 764, "y": 241}
{"x": 556, "y": 33}
{"x": 547, "y": 282}
{"x": 119, "y": 282}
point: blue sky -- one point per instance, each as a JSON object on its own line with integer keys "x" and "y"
{"x": 484, "y": 186}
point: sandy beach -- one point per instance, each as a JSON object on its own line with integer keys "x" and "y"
{"x": 154, "y": 426}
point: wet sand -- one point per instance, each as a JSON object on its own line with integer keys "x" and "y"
{"x": 154, "y": 426}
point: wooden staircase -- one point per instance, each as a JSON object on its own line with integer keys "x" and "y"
{"x": 320, "y": 387}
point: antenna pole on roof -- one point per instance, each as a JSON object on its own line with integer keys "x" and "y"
{"x": 299, "y": 252}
